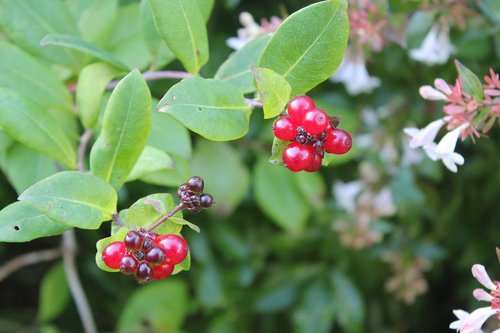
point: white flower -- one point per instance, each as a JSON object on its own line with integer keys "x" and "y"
{"x": 424, "y": 136}
{"x": 438, "y": 94}
{"x": 462, "y": 316}
{"x": 346, "y": 193}
{"x": 436, "y": 47}
{"x": 249, "y": 31}
{"x": 445, "y": 149}
{"x": 475, "y": 320}
{"x": 383, "y": 202}
{"x": 354, "y": 75}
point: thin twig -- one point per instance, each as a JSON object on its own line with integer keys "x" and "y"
{"x": 117, "y": 219}
{"x": 28, "y": 259}
{"x": 159, "y": 75}
{"x": 253, "y": 103}
{"x": 82, "y": 148}
{"x": 166, "y": 217}
{"x": 75, "y": 285}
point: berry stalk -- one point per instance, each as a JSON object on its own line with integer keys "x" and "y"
{"x": 164, "y": 218}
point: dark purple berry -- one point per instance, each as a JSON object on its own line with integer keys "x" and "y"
{"x": 195, "y": 184}
{"x": 147, "y": 244}
{"x": 144, "y": 273}
{"x": 206, "y": 200}
{"x": 155, "y": 256}
{"x": 133, "y": 241}
{"x": 128, "y": 265}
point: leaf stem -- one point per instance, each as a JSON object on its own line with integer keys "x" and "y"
{"x": 159, "y": 75}
{"x": 82, "y": 147}
{"x": 117, "y": 219}
{"x": 166, "y": 217}
{"x": 75, "y": 285}
{"x": 253, "y": 103}
{"x": 28, "y": 259}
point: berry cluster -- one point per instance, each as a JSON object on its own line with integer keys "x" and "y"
{"x": 146, "y": 255}
{"x": 312, "y": 132}
{"x": 191, "y": 196}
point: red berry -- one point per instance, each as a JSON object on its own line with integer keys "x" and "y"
{"x": 298, "y": 106}
{"x": 155, "y": 256}
{"x": 337, "y": 141}
{"x": 144, "y": 273}
{"x": 297, "y": 157}
{"x": 128, "y": 265}
{"x": 133, "y": 240}
{"x": 315, "y": 121}
{"x": 113, "y": 254}
{"x": 163, "y": 271}
{"x": 175, "y": 247}
{"x": 315, "y": 163}
{"x": 285, "y": 129}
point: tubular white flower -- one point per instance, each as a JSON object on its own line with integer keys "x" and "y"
{"x": 424, "y": 136}
{"x": 346, "y": 193}
{"x": 441, "y": 85}
{"x": 436, "y": 47}
{"x": 431, "y": 94}
{"x": 354, "y": 75}
{"x": 479, "y": 272}
{"x": 475, "y": 320}
{"x": 482, "y": 295}
{"x": 445, "y": 149}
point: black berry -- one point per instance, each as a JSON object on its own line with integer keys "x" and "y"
{"x": 133, "y": 241}
{"x": 155, "y": 256}
{"x": 195, "y": 184}
{"x": 206, "y": 200}
{"x": 144, "y": 273}
{"x": 128, "y": 265}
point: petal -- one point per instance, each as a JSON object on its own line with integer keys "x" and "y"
{"x": 482, "y": 295}
{"x": 441, "y": 85}
{"x": 235, "y": 43}
{"x": 430, "y": 150}
{"x": 479, "y": 272}
{"x": 427, "y": 92}
{"x": 427, "y": 134}
{"x": 449, "y": 141}
{"x": 457, "y": 158}
{"x": 476, "y": 319}
{"x": 449, "y": 164}
{"x": 411, "y": 131}
{"x": 460, "y": 314}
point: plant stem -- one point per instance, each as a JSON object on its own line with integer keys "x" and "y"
{"x": 28, "y": 259}
{"x": 253, "y": 103}
{"x": 117, "y": 219}
{"x": 82, "y": 148}
{"x": 167, "y": 216}
{"x": 151, "y": 76}
{"x": 75, "y": 285}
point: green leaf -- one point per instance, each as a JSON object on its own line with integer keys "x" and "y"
{"x": 97, "y": 20}
{"x": 236, "y": 69}
{"x": 185, "y": 222}
{"x": 312, "y": 186}
{"x": 205, "y": 7}
{"x": 31, "y": 78}
{"x": 163, "y": 305}
{"x": 29, "y": 124}
{"x": 185, "y": 265}
{"x": 19, "y": 169}
{"x": 350, "y": 307}
{"x": 170, "y": 177}
{"x": 21, "y": 222}
{"x": 90, "y": 89}
{"x": 278, "y": 197}
{"x": 101, "y": 244}
{"x": 54, "y": 294}
{"x": 82, "y": 46}
{"x": 309, "y": 45}
{"x": 418, "y": 26}
{"x": 25, "y": 22}
{"x": 151, "y": 160}
{"x": 125, "y": 128}
{"x": 274, "y": 91}
{"x": 470, "y": 82}
{"x": 73, "y": 198}
{"x": 169, "y": 135}
{"x": 143, "y": 213}
{"x": 214, "y": 109}
{"x": 227, "y": 182}
{"x": 181, "y": 25}
{"x": 404, "y": 190}
{"x": 209, "y": 286}
{"x": 277, "y": 151}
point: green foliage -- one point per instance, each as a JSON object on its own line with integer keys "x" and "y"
{"x": 54, "y": 294}
{"x": 274, "y": 91}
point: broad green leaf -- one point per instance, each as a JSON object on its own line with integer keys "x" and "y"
{"x": 278, "y": 197}
{"x": 21, "y": 222}
{"x": 54, "y": 294}
{"x": 181, "y": 25}
{"x": 236, "y": 69}
{"x": 418, "y": 26}
{"x": 82, "y": 46}
{"x": 163, "y": 304}
{"x": 277, "y": 151}
{"x": 205, "y": 7}
{"x": 160, "y": 53}
{"x": 470, "y": 82}
{"x": 312, "y": 186}
{"x": 274, "y": 91}
{"x": 185, "y": 222}
{"x": 101, "y": 244}
{"x": 97, "y": 20}
{"x": 309, "y": 45}
{"x": 170, "y": 177}
{"x": 350, "y": 307}
{"x": 315, "y": 312}
{"x": 227, "y": 182}
{"x": 73, "y": 198}
{"x": 209, "y": 286}
{"x": 31, "y": 78}
{"x": 90, "y": 89}
{"x": 26, "y": 22}
{"x": 126, "y": 41}
{"x": 214, "y": 109}
{"x": 142, "y": 214}
{"x": 169, "y": 135}
{"x": 185, "y": 265}
{"x": 29, "y": 124}
{"x": 125, "y": 129}
{"x": 24, "y": 167}
{"x": 151, "y": 160}
{"x": 405, "y": 191}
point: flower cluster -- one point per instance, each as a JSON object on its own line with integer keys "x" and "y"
{"x": 436, "y": 47}
{"x": 252, "y": 29}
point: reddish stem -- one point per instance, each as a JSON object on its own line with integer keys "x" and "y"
{"x": 164, "y": 218}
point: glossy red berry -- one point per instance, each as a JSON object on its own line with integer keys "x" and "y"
{"x": 133, "y": 240}
{"x": 315, "y": 121}
{"x": 113, "y": 254}
{"x": 285, "y": 129}
{"x": 297, "y": 157}
{"x": 163, "y": 271}
{"x": 315, "y": 164}
{"x": 175, "y": 247}
{"x": 155, "y": 256}
{"x": 337, "y": 141}
{"x": 128, "y": 265}
{"x": 195, "y": 184}
{"x": 298, "y": 106}
{"x": 144, "y": 273}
